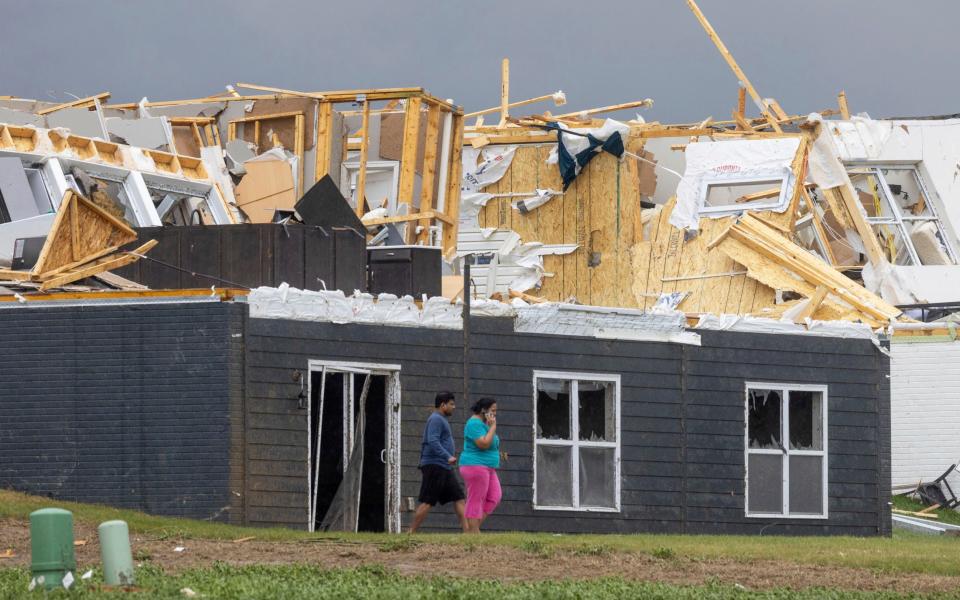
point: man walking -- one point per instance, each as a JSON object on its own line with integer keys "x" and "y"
{"x": 437, "y": 457}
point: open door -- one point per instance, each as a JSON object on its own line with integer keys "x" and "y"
{"x": 354, "y": 447}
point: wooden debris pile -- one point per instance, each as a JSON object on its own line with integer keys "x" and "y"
{"x": 85, "y": 240}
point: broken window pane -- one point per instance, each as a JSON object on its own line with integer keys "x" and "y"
{"x": 893, "y": 244}
{"x": 904, "y": 188}
{"x": 553, "y": 409}
{"x": 871, "y": 195}
{"x": 180, "y": 209}
{"x": 597, "y": 477}
{"x": 764, "y": 418}
{"x": 765, "y": 483}
{"x": 596, "y": 414}
{"x": 554, "y": 476}
{"x": 806, "y": 485}
{"x": 806, "y": 421}
{"x": 739, "y": 194}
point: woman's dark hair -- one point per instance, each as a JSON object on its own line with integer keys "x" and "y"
{"x": 482, "y": 405}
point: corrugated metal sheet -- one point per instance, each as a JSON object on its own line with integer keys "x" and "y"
{"x": 925, "y": 399}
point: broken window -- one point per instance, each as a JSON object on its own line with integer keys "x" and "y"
{"x": 902, "y": 214}
{"x": 786, "y": 479}
{"x": 577, "y": 441}
{"x": 734, "y": 193}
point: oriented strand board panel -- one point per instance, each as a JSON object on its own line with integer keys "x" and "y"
{"x": 284, "y": 128}
{"x": 599, "y": 212}
{"x": 669, "y": 262}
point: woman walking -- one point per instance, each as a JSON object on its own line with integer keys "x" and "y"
{"x": 479, "y": 463}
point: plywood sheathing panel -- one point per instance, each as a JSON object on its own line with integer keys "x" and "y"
{"x": 668, "y": 262}
{"x": 81, "y": 232}
{"x": 284, "y": 128}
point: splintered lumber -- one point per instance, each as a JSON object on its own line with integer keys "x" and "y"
{"x": 813, "y": 303}
{"x": 864, "y": 230}
{"x": 741, "y": 76}
{"x": 914, "y": 514}
{"x": 645, "y": 103}
{"x": 504, "y": 92}
{"x": 558, "y": 97}
{"x": 98, "y": 266}
{"x": 81, "y": 232}
{"x": 842, "y": 104}
{"x": 79, "y": 103}
{"x": 761, "y": 239}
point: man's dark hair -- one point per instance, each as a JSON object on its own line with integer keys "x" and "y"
{"x": 442, "y": 398}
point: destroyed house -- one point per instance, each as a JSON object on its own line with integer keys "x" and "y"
{"x": 614, "y": 420}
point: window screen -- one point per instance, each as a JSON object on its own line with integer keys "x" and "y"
{"x": 554, "y": 476}
{"x": 786, "y": 451}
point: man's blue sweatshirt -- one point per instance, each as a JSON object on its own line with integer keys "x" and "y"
{"x": 437, "y": 444}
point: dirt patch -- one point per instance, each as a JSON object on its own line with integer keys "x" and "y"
{"x": 484, "y": 562}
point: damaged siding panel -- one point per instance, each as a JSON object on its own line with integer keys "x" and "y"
{"x": 123, "y": 422}
{"x": 853, "y": 449}
{"x": 430, "y": 361}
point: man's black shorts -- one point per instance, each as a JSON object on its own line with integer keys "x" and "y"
{"x": 439, "y": 485}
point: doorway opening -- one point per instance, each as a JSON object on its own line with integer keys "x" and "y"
{"x": 354, "y": 441}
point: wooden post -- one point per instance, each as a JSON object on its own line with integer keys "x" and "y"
{"x": 364, "y": 151}
{"x": 324, "y": 139}
{"x": 741, "y": 102}
{"x": 451, "y": 203}
{"x": 842, "y": 103}
{"x": 299, "y": 148}
{"x": 741, "y": 76}
{"x": 504, "y": 91}
{"x": 408, "y": 155}
{"x": 429, "y": 171}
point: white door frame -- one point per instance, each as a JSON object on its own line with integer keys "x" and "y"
{"x": 392, "y": 410}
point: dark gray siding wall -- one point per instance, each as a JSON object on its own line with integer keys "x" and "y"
{"x": 682, "y": 420}
{"x": 276, "y": 429}
{"x": 122, "y": 405}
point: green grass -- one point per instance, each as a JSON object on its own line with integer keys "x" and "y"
{"x": 904, "y": 553}
{"x": 376, "y": 583}
{"x": 944, "y": 515}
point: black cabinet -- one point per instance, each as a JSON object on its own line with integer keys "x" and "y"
{"x": 404, "y": 270}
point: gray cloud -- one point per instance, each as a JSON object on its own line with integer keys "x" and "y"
{"x": 893, "y": 58}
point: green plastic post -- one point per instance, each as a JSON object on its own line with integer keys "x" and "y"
{"x": 51, "y": 546}
{"x": 115, "y": 552}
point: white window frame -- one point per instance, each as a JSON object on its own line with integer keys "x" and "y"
{"x": 776, "y": 203}
{"x": 899, "y": 220}
{"x": 391, "y": 455}
{"x": 574, "y": 442}
{"x": 785, "y": 389}
{"x": 350, "y": 171}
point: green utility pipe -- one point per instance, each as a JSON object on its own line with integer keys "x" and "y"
{"x": 51, "y": 547}
{"x": 115, "y": 552}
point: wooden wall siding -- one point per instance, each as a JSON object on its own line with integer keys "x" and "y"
{"x": 682, "y": 420}
{"x": 665, "y": 254}
{"x": 600, "y": 212}
{"x": 120, "y": 405}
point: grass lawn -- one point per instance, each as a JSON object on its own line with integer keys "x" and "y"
{"x": 291, "y": 582}
{"x": 904, "y": 553}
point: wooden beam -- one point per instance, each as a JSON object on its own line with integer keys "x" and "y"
{"x": 864, "y": 230}
{"x": 408, "y": 154}
{"x": 742, "y": 123}
{"x": 81, "y": 102}
{"x": 818, "y": 226}
{"x": 741, "y": 76}
{"x": 645, "y": 103}
{"x": 558, "y": 97}
{"x": 99, "y": 266}
{"x": 364, "y": 151}
{"x": 813, "y": 303}
{"x": 430, "y": 214}
{"x": 324, "y": 139}
{"x": 504, "y": 91}
{"x": 741, "y": 101}
{"x": 427, "y": 181}
{"x": 842, "y": 104}
{"x": 451, "y": 200}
